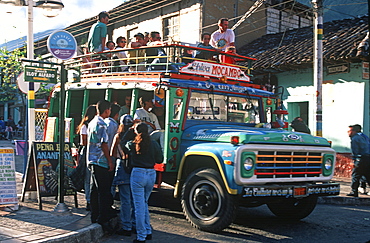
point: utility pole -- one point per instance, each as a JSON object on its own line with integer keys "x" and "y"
{"x": 318, "y": 63}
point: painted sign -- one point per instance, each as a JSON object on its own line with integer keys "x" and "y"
{"x": 40, "y": 74}
{"x": 43, "y": 170}
{"x": 8, "y": 186}
{"x": 215, "y": 70}
{"x": 340, "y": 68}
{"x": 365, "y": 70}
{"x": 62, "y": 45}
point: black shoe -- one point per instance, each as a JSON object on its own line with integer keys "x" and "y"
{"x": 108, "y": 228}
{"x": 124, "y": 232}
{"x": 139, "y": 241}
{"x": 148, "y": 237}
{"x": 88, "y": 207}
{"x": 352, "y": 194}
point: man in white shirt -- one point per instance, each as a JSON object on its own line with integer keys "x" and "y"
{"x": 145, "y": 115}
{"x": 121, "y": 44}
{"x": 223, "y": 37}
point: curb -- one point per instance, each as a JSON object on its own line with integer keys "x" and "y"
{"x": 91, "y": 233}
{"x": 338, "y": 200}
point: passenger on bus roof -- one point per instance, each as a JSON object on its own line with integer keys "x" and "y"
{"x": 98, "y": 33}
{"x": 206, "y": 38}
{"x": 223, "y": 37}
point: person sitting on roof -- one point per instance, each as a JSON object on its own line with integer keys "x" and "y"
{"x": 206, "y": 37}
{"x": 121, "y": 44}
{"x": 155, "y": 39}
{"x": 136, "y": 56}
{"x": 229, "y": 59}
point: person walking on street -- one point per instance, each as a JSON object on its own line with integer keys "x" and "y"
{"x": 144, "y": 154}
{"x": 362, "y": 187}
{"x": 361, "y": 158}
{"x": 101, "y": 166}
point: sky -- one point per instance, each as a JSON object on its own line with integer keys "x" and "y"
{"x": 13, "y": 20}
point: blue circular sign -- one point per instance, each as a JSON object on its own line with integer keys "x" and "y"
{"x": 62, "y": 44}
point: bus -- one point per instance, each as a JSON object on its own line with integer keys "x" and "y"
{"x": 226, "y": 143}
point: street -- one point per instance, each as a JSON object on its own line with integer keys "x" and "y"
{"x": 328, "y": 223}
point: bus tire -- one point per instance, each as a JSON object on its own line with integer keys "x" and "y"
{"x": 205, "y": 201}
{"x": 292, "y": 208}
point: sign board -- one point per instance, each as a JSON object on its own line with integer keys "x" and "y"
{"x": 62, "y": 45}
{"x": 23, "y": 86}
{"x": 40, "y": 74}
{"x": 8, "y": 186}
{"x": 43, "y": 170}
{"x": 215, "y": 70}
{"x": 365, "y": 70}
{"x": 340, "y": 68}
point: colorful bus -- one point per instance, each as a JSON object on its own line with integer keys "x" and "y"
{"x": 225, "y": 138}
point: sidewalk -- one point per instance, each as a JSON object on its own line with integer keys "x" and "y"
{"x": 29, "y": 224}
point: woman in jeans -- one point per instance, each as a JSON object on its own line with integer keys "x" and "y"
{"x": 144, "y": 153}
{"x": 82, "y": 131}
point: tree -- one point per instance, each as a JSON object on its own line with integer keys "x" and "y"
{"x": 11, "y": 67}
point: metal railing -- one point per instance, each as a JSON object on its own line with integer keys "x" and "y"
{"x": 163, "y": 58}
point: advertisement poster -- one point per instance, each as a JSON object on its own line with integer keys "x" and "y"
{"x": 42, "y": 172}
{"x": 8, "y": 186}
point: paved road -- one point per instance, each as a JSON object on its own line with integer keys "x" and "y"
{"x": 327, "y": 224}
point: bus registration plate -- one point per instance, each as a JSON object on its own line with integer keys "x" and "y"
{"x": 300, "y": 191}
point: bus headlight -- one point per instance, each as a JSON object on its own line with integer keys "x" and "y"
{"x": 328, "y": 164}
{"x": 248, "y": 164}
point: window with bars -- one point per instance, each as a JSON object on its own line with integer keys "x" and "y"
{"x": 171, "y": 26}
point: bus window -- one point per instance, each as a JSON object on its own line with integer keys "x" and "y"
{"x": 223, "y": 108}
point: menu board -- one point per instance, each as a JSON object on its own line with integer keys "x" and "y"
{"x": 8, "y": 186}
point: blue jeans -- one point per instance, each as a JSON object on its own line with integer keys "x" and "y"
{"x": 127, "y": 214}
{"x": 87, "y": 182}
{"x": 142, "y": 182}
{"x": 122, "y": 180}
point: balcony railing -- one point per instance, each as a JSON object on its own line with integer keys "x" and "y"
{"x": 163, "y": 58}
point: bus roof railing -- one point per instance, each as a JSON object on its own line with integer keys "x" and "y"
{"x": 163, "y": 58}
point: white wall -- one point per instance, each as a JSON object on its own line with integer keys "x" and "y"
{"x": 189, "y": 25}
{"x": 345, "y": 102}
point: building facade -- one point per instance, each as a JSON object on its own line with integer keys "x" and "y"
{"x": 185, "y": 21}
{"x": 287, "y": 61}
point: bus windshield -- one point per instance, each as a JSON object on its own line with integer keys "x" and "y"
{"x": 216, "y": 107}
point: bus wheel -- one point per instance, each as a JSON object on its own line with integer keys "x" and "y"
{"x": 292, "y": 208}
{"x": 205, "y": 201}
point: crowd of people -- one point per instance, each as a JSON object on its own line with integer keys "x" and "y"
{"x": 119, "y": 152}
{"x": 222, "y": 39}
{"x": 9, "y": 128}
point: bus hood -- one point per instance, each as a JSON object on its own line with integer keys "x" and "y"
{"x": 247, "y": 135}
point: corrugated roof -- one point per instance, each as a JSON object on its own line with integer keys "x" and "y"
{"x": 294, "y": 49}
